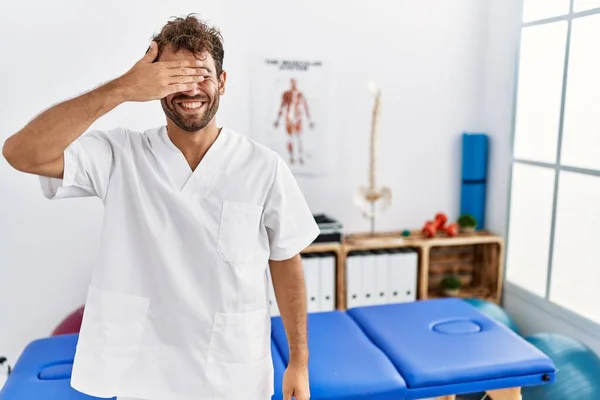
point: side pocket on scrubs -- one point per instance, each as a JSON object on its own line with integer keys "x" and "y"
{"x": 239, "y": 351}
{"x": 239, "y": 229}
{"x": 110, "y": 337}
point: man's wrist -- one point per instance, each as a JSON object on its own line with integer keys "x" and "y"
{"x": 299, "y": 357}
{"x": 116, "y": 92}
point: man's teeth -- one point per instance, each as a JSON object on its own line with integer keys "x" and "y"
{"x": 191, "y": 105}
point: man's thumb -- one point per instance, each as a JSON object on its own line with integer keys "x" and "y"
{"x": 151, "y": 53}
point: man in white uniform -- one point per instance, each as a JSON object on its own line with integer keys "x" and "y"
{"x": 177, "y": 308}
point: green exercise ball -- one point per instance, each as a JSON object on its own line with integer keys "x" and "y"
{"x": 578, "y": 375}
{"x": 493, "y": 311}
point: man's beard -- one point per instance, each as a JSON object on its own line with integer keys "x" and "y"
{"x": 193, "y": 122}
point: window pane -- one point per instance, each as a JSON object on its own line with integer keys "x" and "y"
{"x": 539, "y": 93}
{"x": 576, "y": 259}
{"x": 583, "y": 5}
{"x": 542, "y": 9}
{"x": 581, "y": 136}
{"x": 528, "y": 244}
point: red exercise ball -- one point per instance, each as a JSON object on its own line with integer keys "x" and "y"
{"x": 71, "y": 324}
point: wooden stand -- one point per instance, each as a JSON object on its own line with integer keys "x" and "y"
{"x": 498, "y": 394}
{"x": 476, "y": 258}
{"x": 505, "y": 394}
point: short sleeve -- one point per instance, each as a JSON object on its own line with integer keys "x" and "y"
{"x": 87, "y": 165}
{"x": 291, "y": 227}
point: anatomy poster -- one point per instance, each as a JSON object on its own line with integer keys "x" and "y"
{"x": 288, "y": 106}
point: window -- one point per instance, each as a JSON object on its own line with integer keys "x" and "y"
{"x": 530, "y": 224}
{"x": 581, "y": 133}
{"x": 576, "y": 260}
{"x": 542, "y": 9}
{"x": 540, "y": 90}
{"x": 555, "y": 177}
{"x": 584, "y": 5}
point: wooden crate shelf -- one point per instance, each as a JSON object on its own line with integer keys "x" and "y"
{"x": 471, "y": 291}
{"x": 476, "y": 258}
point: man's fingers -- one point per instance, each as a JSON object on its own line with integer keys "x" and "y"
{"x": 287, "y": 394}
{"x": 182, "y": 63}
{"x": 185, "y": 79}
{"x": 180, "y": 87}
{"x": 151, "y": 53}
{"x": 301, "y": 395}
{"x": 187, "y": 71}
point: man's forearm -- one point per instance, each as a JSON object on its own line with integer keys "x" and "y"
{"x": 290, "y": 292}
{"x": 46, "y": 137}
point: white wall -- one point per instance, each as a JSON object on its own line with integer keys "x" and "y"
{"x": 503, "y": 37}
{"x": 427, "y": 55}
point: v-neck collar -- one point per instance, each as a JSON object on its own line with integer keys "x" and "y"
{"x": 186, "y": 180}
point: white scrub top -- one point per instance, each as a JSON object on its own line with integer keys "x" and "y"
{"x": 177, "y": 306}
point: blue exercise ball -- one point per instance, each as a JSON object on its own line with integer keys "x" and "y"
{"x": 578, "y": 376}
{"x": 493, "y": 311}
{"x": 496, "y": 313}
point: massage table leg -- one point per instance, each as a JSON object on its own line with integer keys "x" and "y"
{"x": 500, "y": 394}
{"x": 505, "y": 394}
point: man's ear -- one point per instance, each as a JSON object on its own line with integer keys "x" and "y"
{"x": 222, "y": 81}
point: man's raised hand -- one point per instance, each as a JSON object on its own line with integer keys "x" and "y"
{"x": 149, "y": 80}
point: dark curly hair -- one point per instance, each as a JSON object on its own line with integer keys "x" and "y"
{"x": 194, "y": 35}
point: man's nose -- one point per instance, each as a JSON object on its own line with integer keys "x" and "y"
{"x": 194, "y": 91}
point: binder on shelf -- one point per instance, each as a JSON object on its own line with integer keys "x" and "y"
{"x": 403, "y": 267}
{"x": 395, "y": 284}
{"x": 327, "y": 269}
{"x": 311, "y": 277}
{"x": 410, "y": 275}
{"x": 368, "y": 268}
{"x": 381, "y": 272}
{"x": 354, "y": 279}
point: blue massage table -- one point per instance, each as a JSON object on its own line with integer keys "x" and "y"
{"x": 422, "y": 349}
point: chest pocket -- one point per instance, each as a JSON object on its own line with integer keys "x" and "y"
{"x": 239, "y": 229}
